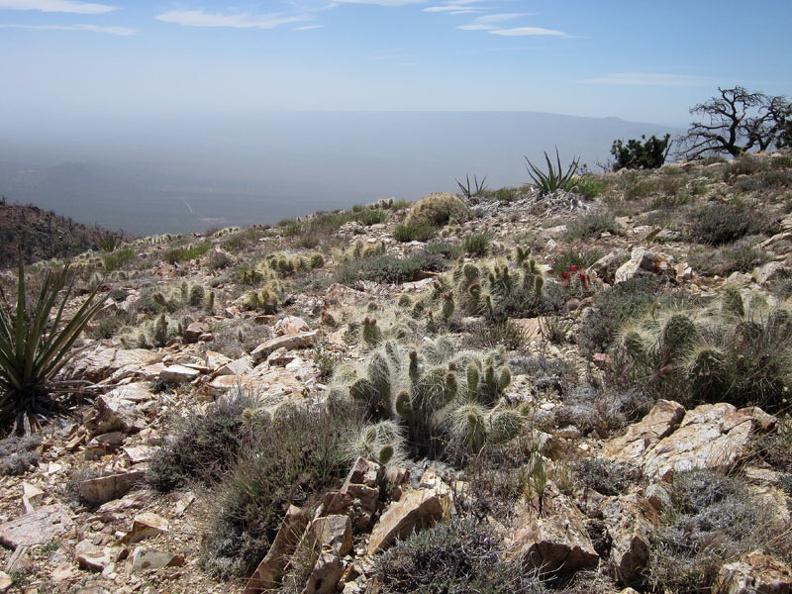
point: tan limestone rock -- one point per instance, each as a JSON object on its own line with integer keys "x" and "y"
{"x": 146, "y": 525}
{"x": 551, "y": 537}
{"x": 89, "y": 556}
{"x": 417, "y": 509}
{"x": 754, "y": 573}
{"x": 664, "y": 417}
{"x": 333, "y": 532}
{"x": 179, "y": 374}
{"x": 37, "y": 527}
{"x": 143, "y": 558}
{"x": 302, "y": 340}
{"x": 630, "y": 522}
{"x": 106, "y": 488}
{"x": 710, "y": 436}
{"x": 270, "y": 571}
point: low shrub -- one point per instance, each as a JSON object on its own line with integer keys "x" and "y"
{"x": 613, "y": 307}
{"x": 438, "y": 210}
{"x": 185, "y": 254}
{"x": 288, "y": 459}
{"x": 460, "y": 556}
{"x": 713, "y": 520}
{"x": 202, "y": 448}
{"x": 19, "y": 454}
{"x": 591, "y": 225}
{"x": 580, "y": 259}
{"x": 719, "y": 224}
{"x": 414, "y": 231}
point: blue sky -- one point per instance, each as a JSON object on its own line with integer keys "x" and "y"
{"x": 635, "y": 59}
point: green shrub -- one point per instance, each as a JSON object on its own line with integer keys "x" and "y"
{"x": 649, "y": 154}
{"x": 414, "y": 231}
{"x": 185, "y": 254}
{"x": 438, "y": 210}
{"x": 115, "y": 259}
{"x": 580, "y": 259}
{"x": 390, "y": 269}
{"x": 507, "y": 194}
{"x": 35, "y": 343}
{"x": 591, "y": 225}
{"x": 477, "y": 244}
{"x": 589, "y": 186}
{"x": 460, "y": 556}
{"x": 289, "y": 458}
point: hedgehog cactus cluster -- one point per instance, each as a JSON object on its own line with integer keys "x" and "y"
{"x": 436, "y": 398}
{"x": 483, "y": 288}
{"x": 736, "y": 350}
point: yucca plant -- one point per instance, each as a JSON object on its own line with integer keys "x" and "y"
{"x": 35, "y": 344}
{"x": 552, "y": 180}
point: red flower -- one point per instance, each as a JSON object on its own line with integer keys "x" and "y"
{"x": 573, "y": 268}
{"x": 565, "y": 275}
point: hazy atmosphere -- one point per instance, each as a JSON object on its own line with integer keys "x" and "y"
{"x": 158, "y": 116}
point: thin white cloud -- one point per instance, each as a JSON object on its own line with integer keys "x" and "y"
{"x": 381, "y": 2}
{"x": 455, "y": 7}
{"x": 529, "y": 31}
{"x": 490, "y": 21}
{"x": 649, "y": 79}
{"x": 121, "y": 31}
{"x": 199, "y": 18}
{"x": 309, "y": 27}
{"x": 56, "y": 6}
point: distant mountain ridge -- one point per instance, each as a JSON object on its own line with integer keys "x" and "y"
{"x": 188, "y": 174}
{"x": 42, "y": 234}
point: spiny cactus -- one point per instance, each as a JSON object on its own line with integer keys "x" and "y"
{"x": 382, "y": 442}
{"x": 709, "y": 375}
{"x": 448, "y": 305}
{"x": 197, "y": 295}
{"x": 679, "y": 336}
{"x": 161, "y": 331}
{"x": 372, "y": 334}
{"x": 732, "y": 303}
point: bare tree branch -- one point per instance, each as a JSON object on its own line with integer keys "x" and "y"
{"x": 738, "y": 122}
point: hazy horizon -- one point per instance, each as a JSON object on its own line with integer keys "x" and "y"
{"x": 187, "y": 174}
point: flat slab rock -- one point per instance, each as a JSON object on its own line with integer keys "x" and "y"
{"x": 709, "y": 436}
{"x": 37, "y": 527}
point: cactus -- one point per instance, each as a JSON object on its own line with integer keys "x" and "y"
{"x": 448, "y": 305}
{"x": 210, "y": 302}
{"x": 521, "y": 255}
{"x": 372, "y": 334}
{"x": 505, "y": 424}
{"x": 470, "y": 272}
{"x": 468, "y": 427}
{"x": 679, "y": 336}
{"x": 709, "y": 376}
{"x": 732, "y": 303}
{"x": 161, "y": 331}
{"x": 197, "y": 295}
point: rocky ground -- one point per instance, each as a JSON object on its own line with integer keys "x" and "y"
{"x": 274, "y": 313}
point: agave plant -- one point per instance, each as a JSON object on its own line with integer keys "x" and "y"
{"x": 35, "y": 344}
{"x": 553, "y": 179}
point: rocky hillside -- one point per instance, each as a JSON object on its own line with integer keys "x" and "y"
{"x": 43, "y": 235}
{"x": 580, "y": 391}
